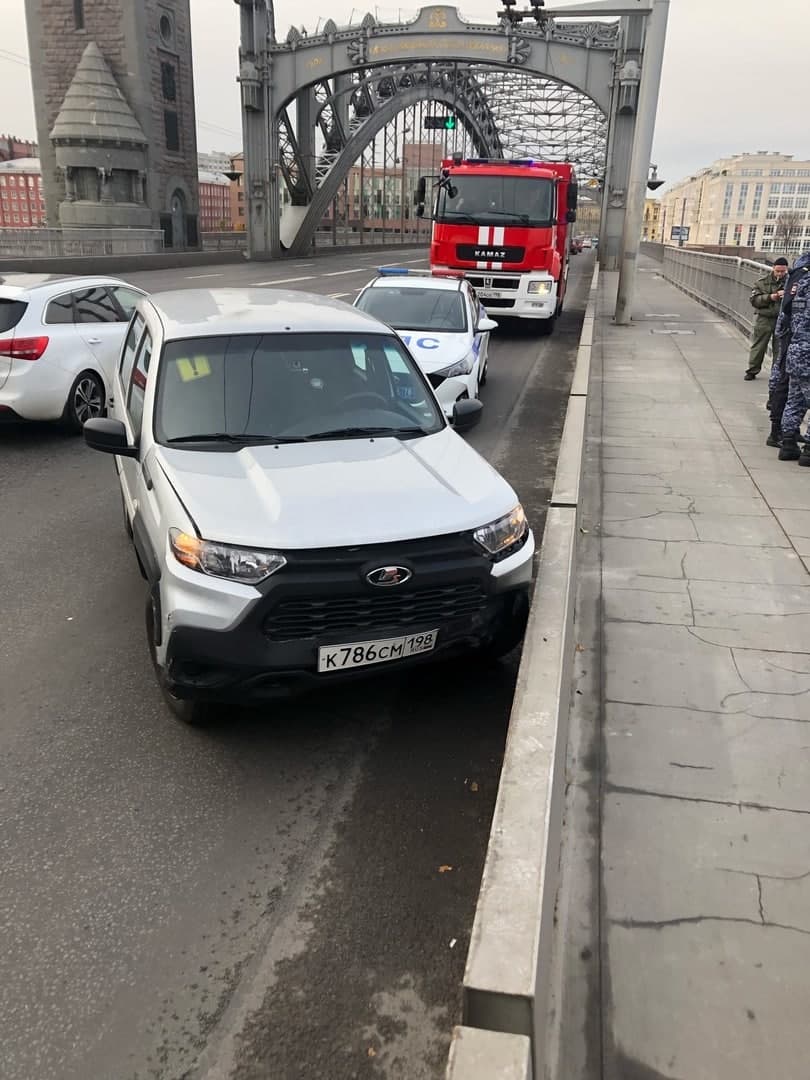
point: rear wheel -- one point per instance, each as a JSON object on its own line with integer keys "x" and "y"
{"x": 193, "y": 713}
{"x": 85, "y": 401}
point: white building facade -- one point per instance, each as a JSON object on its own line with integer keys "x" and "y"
{"x": 759, "y": 201}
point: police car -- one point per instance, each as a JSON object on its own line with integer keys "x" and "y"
{"x": 440, "y": 319}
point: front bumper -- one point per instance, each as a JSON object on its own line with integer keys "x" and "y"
{"x": 505, "y": 294}
{"x": 449, "y": 391}
{"x": 319, "y": 599}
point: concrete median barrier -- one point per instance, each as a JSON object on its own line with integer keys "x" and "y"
{"x": 474, "y": 1052}
{"x": 507, "y": 977}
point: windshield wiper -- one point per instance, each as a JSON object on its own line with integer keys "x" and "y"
{"x": 522, "y": 218}
{"x": 365, "y": 432}
{"x": 227, "y": 437}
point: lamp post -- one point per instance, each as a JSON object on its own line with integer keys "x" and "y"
{"x": 683, "y": 218}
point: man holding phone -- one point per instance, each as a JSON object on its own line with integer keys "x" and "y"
{"x": 766, "y": 299}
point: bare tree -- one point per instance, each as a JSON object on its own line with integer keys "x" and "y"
{"x": 789, "y": 227}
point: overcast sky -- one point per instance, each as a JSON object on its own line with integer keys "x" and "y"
{"x": 731, "y": 80}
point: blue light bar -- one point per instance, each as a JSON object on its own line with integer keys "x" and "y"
{"x": 392, "y": 271}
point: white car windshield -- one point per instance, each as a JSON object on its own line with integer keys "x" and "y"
{"x": 409, "y": 308}
{"x": 294, "y": 387}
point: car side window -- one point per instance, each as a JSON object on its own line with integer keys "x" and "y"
{"x": 129, "y": 350}
{"x": 137, "y": 384}
{"x": 60, "y": 310}
{"x": 127, "y": 299}
{"x": 94, "y": 306}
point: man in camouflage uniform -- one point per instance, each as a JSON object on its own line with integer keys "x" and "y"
{"x": 779, "y": 379}
{"x": 797, "y": 365}
{"x": 766, "y": 298}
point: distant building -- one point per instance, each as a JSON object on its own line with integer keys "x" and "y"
{"x": 22, "y": 204}
{"x": 215, "y": 162}
{"x": 755, "y": 201}
{"x": 651, "y": 228}
{"x": 215, "y": 202}
{"x": 114, "y": 101}
{"x": 12, "y": 148}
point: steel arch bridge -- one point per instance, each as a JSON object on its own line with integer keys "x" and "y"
{"x": 325, "y": 114}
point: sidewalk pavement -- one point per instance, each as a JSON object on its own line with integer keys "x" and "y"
{"x": 705, "y": 571}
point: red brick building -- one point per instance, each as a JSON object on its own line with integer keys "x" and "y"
{"x": 12, "y": 148}
{"x": 215, "y": 202}
{"x": 22, "y": 204}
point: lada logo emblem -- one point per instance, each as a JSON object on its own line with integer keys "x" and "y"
{"x": 386, "y": 576}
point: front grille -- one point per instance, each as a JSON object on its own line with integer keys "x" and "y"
{"x": 497, "y": 301}
{"x": 494, "y": 282}
{"x": 360, "y": 616}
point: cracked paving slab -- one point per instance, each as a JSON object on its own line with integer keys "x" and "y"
{"x": 710, "y": 999}
{"x": 731, "y": 757}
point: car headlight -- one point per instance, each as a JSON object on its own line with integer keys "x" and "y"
{"x": 540, "y": 287}
{"x": 248, "y": 565}
{"x": 501, "y": 535}
{"x": 461, "y": 367}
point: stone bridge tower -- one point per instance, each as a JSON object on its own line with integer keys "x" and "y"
{"x": 114, "y": 101}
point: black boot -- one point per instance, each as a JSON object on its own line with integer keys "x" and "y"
{"x": 804, "y": 457}
{"x": 773, "y": 438}
{"x": 789, "y": 449}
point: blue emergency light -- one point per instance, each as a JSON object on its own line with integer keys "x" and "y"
{"x": 392, "y": 271}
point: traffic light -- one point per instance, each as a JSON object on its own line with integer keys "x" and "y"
{"x": 443, "y": 123}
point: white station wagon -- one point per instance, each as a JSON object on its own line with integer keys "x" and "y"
{"x": 301, "y": 509}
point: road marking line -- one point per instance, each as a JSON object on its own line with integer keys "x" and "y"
{"x": 196, "y": 277}
{"x": 283, "y": 281}
{"x": 338, "y": 295}
{"x": 356, "y": 270}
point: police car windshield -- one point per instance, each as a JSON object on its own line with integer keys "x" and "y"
{"x": 413, "y": 308}
{"x": 229, "y": 391}
{"x": 494, "y": 200}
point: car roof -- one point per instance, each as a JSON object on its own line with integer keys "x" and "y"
{"x": 208, "y": 312}
{"x": 445, "y": 284}
{"x": 44, "y": 286}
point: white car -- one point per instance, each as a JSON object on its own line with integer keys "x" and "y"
{"x": 439, "y": 317}
{"x": 300, "y": 507}
{"x": 59, "y": 341}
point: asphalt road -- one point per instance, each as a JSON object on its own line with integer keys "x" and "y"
{"x": 287, "y": 895}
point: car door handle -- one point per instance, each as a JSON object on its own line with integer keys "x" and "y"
{"x": 94, "y": 341}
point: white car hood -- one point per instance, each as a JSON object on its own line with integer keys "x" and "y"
{"x": 337, "y": 494}
{"x": 433, "y": 351}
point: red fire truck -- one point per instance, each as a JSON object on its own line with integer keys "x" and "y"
{"x": 506, "y": 225}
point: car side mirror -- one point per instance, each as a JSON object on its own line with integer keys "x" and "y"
{"x": 485, "y": 324}
{"x": 109, "y": 436}
{"x": 466, "y": 414}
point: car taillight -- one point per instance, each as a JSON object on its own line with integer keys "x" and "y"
{"x": 25, "y": 348}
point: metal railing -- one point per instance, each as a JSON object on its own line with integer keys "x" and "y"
{"x": 224, "y": 241}
{"x": 720, "y": 282}
{"x": 57, "y": 243}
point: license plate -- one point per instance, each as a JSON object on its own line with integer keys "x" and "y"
{"x": 362, "y": 653}
{"x": 488, "y": 294}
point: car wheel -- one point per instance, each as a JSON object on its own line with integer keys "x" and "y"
{"x": 509, "y": 630}
{"x": 193, "y": 713}
{"x": 85, "y": 401}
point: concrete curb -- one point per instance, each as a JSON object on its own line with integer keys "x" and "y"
{"x": 507, "y": 978}
{"x": 474, "y": 1052}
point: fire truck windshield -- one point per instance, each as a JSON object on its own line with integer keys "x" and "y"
{"x": 497, "y": 200}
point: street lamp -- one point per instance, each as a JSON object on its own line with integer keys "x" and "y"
{"x": 683, "y": 216}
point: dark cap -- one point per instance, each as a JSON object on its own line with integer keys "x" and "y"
{"x": 780, "y": 262}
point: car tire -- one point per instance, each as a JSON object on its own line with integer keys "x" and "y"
{"x": 86, "y": 401}
{"x": 193, "y": 713}
{"x": 509, "y": 630}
